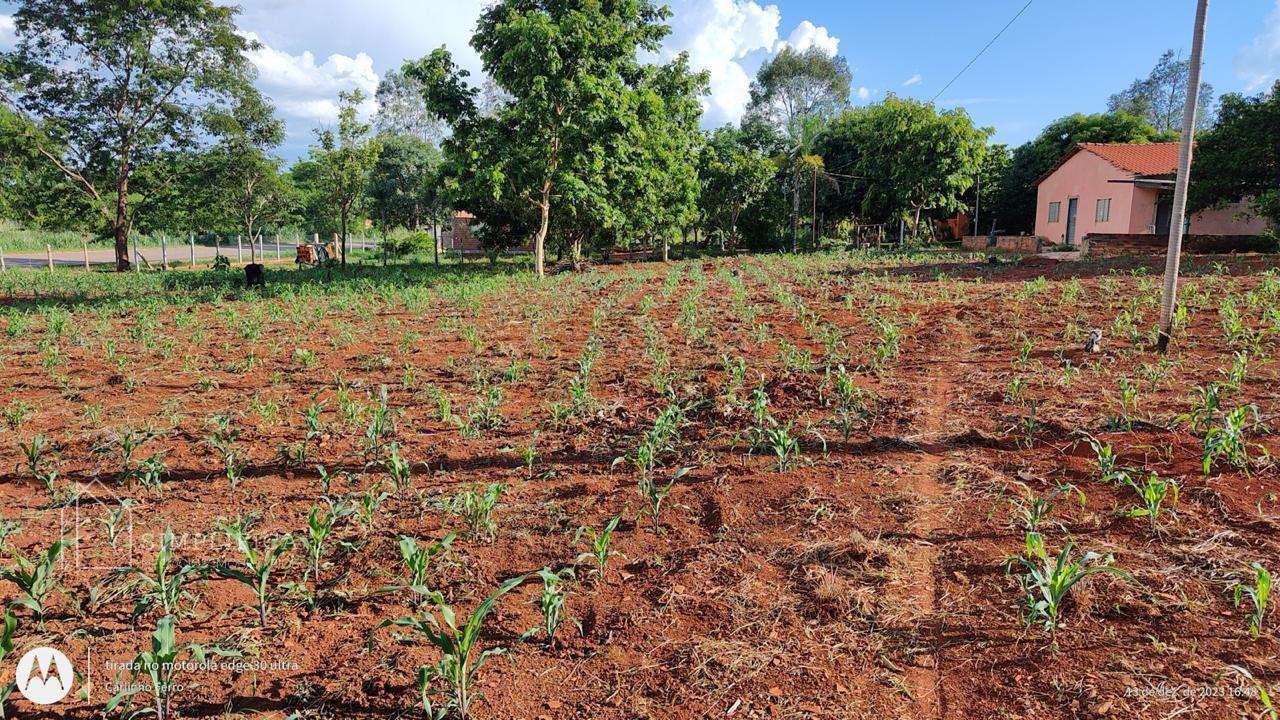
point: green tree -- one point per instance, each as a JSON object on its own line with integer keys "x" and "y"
{"x": 115, "y": 83}
{"x": 564, "y": 68}
{"x": 1160, "y": 97}
{"x": 797, "y": 84}
{"x": 1014, "y": 205}
{"x": 401, "y": 110}
{"x": 900, "y": 157}
{"x": 734, "y": 178}
{"x": 403, "y": 183}
{"x": 344, "y": 158}
{"x": 243, "y": 180}
{"x": 797, "y": 92}
{"x": 1239, "y": 158}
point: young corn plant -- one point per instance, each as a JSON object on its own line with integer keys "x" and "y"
{"x": 1047, "y": 581}
{"x": 1207, "y": 405}
{"x": 475, "y": 507}
{"x": 162, "y": 587}
{"x": 1033, "y": 509}
{"x": 1105, "y": 456}
{"x": 367, "y": 505}
{"x": 255, "y": 570}
{"x": 223, "y": 440}
{"x": 380, "y": 427}
{"x": 41, "y": 465}
{"x": 417, "y": 563}
{"x": 598, "y": 544}
{"x": 321, "y": 523}
{"x": 35, "y": 577}
{"x": 1227, "y": 442}
{"x": 1153, "y": 494}
{"x": 654, "y": 493}
{"x": 155, "y": 672}
{"x": 555, "y": 593}
{"x": 400, "y": 470}
{"x": 454, "y": 676}
{"x": 8, "y": 625}
{"x": 1258, "y": 594}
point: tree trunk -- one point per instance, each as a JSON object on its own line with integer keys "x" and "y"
{"x": 795, "y": 216}
{"x": 120, "y": 228}
{"x": 343, "y": 217}
{"x": 435, "y": 229}
{"x": 666, "y": 248}
{"x": 540, "y": 239}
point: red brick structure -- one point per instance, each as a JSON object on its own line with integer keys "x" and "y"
{"x": 1006, "y": 243}
{"x": 458, "y": 236}
{"x": 1109, "y": 244}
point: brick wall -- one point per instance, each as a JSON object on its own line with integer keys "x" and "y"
{"x": 1120, "y": 244}
{"x": 1005, "y": 243}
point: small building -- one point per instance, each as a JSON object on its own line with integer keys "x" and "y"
{"x": 1123, "y": 189}
{"x": 459, "y": 235}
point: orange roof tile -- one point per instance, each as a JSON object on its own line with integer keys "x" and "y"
{"x": 1138, "y": 158}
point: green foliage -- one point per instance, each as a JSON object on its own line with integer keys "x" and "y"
{"x": 599, "y": 542}
{"x": 159, "y": 668}
{"x": 460, "y": 648}
{"x": 109, "y": 87}
{"x": 475, "y": 507}
{"x": 1159, "y": 98}
{"x": 8, "y": 625}
{"x": 653, "y": 493}
{"x": 1228, "y": 441}
{"x": 552, "y": 602}
{"x": 258, "y": 563}
{"x": 1238, "y": 159}
{"x": 163, "y": 586}
{"x": 35, "y": 577}
{"x": 343, "y": 159}
{"x": 417, "y": 562}
{"x": 1047, "y": 581}
{"x": 905, "y": 156}
{"x": 1258, "y": 594}
{"x": 1153, "y": 494}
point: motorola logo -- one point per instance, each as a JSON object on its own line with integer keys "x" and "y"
{"x": 44, "y": 676}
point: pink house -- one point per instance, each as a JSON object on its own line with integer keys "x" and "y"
{"x": 1122, "y": 188}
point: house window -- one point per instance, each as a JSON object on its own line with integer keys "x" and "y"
{"x": 1054, "y": 209}
{"x": 1104, "y": 210}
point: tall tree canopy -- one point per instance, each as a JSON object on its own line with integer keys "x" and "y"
{"x": 1239, "y": 158}
{"x": 112, "y": 85}
{"x": 401, "y": 110}
{"x": 1160, "y": 97}
{"x": 1014, "y": 207}
{"x": 902, "y": 156}
{"x": 797, "y": 84}
{"x": 734, "y": 178}
{"x": 242, "y": 180}
{"x": 567, "y": 71}
{"x": 403, "y": 183}
{"x": 344, "y": 157}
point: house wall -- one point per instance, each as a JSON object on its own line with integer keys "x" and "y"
{"x": 1006, "y": 243}
{"x": 1232, "y": 220}
{"x": 1103, "y": 245}
{"x": 1085, "y": 177}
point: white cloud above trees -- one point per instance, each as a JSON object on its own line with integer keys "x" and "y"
{"x": 1258, "y": 63}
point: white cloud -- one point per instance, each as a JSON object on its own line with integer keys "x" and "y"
{"x": 1258, "y": 64}
{"x": 807, "y": 35}
{"x": 316, "y": 47}
{"x": 8, "y": 34}
{"x": 863, "y": 93}
{"x": 913, "y": 80}
{"x": 306, "y": 92}
{"x": 730, "y": 39}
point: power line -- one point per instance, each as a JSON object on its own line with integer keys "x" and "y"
{"x": 983, "y": 50}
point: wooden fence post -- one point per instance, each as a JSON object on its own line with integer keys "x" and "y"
{"x": 164, "y": 251}
{"x": 2, "y": 265}
{"x": 85, "y": 244}
{"x": 239, "y": 249}
{"x": 193, "y": 249}
{"x": 137, "y": 262}
{"x": 48, "y": 253}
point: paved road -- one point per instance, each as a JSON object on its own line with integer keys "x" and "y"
{"x": 177, "y": 254}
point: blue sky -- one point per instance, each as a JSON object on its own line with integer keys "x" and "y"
{"x": 1058, "y": 58}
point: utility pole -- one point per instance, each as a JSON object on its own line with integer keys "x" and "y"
{"x": 1173, "y": 257}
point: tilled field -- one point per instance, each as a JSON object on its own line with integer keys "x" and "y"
{"x": 824, "y": 470}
